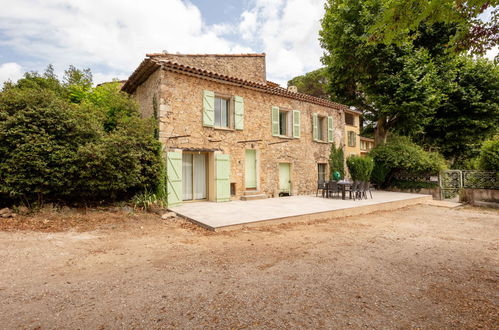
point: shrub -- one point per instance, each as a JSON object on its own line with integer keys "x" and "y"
{"x": 336, "y": 161}
{"x": 400, "y": 154}
{"x": 489, "y": 156}
{"x": 54, "y": 149}
{"x": 360, "y": 167}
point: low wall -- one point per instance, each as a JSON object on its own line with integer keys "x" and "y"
{"x": 434, "y": 192}
{"x": 471, "y": 195}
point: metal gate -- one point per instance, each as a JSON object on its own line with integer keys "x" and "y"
{"x": 450, "y": 182}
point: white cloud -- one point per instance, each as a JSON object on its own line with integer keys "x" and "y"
{"x": 288, "y": 33}
{"x": 10, "y": 71}
{"x": 111, "y": 34}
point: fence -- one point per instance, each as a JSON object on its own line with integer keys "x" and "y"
{"x": 452, "y": 181}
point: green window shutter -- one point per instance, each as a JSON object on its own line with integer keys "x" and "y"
{"x": 238, "y": 112}
{"x": 275, "y": 121}
{"x": 222, "y": 169}
{"x": 315, "y": 124}
{"x": 296, "y": 123}
{"x": 330, "y": 129}
{"x": 174, "y": 177}
{"x": 208, "y": 108}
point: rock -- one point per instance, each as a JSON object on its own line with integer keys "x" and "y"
{"x": 128, "y": 209}
{"x": 168, "y": 215}
{"x": 22, "y": 209}
{"x": 5, "y": 210}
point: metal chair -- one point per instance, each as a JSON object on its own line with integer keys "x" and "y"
{"x": 333, "y": 188}
{"x": 321, "y": 185}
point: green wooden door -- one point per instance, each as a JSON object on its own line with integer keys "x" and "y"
{"x": 174, "y": 178}
{"x": 250, "y": 169}
{"x": 284, "y": 178}
{"x": 222, "y": 178}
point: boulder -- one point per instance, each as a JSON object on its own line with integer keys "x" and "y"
{"x": 168, "y": 215}
{"x": 5, "y": 210}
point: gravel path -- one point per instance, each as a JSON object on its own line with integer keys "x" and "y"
{"x": 419, "y": 267}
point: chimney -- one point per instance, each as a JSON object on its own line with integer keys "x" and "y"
{"x": 293, "y": 89}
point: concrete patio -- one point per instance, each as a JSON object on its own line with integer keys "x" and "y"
{"x": 237, "y": 214}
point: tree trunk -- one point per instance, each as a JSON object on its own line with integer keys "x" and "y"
{"x": 380, "y": 132}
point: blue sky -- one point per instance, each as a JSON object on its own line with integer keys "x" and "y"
{"x": 112, "y": 36}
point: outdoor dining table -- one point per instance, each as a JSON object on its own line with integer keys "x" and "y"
{"x": 344, "y": 184}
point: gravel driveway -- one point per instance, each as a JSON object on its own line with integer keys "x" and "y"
{"x": 419, "y": 267}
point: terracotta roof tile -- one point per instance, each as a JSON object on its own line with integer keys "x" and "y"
{"x": 148, "y": 66}
{"x": 243, "y": 55}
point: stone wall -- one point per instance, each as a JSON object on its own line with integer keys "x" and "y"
{"x": 181, "y": 110}
{"x": 246, "y": 66}
{"x": 472, "y": 195}
{"x": 145, "y": 93}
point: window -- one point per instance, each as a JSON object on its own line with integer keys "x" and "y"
{"x": 285, "y": 122}
{"x": 349, "y": 119}
{"x": 321, "y": 171}
{"x": 222, "y": 112}
{"x": 321, "y": 128}
{"x": 352, "y": 139}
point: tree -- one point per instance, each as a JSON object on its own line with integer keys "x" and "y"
{"x": 399, "y": 22}
{"x": 313, "y": 83}
{"x": 469, "y": 114}
{"x": 392, "y": 85}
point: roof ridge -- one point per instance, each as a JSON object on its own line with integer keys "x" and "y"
{"x": 242, "y": 54}
{"x": 277, "y": 90}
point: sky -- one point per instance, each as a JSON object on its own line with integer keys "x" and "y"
{"x": 111, "y": 37}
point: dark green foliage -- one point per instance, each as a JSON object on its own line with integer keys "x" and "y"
{"x": 336, "y": 161}
{"x": 400, "y": 154}
{"x": 470, "y": 112}
{"x": 360, "y": 167}
{"x": 489, "y": 156}
{"x": 54, "y": 149}
{"x": 379, "y": 173}
{"x": 313, "y": 83}
{"x": 405, "y": 184}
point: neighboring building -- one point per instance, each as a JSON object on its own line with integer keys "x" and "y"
{"x": 228, "y": 133}
{"x": 352, "y": 132}
{"x": 366, "y": 144}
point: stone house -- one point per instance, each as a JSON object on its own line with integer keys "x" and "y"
{"x": 228, "y": 133}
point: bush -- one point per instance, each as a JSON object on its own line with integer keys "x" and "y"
{"x": 489, "y": 156}
{"x": 400, "y": 154}
{"x": 336, "y": 161}
{"x": 54, "y": 149}
{"x": 360, "y": 167}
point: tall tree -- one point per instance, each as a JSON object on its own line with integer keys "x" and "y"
{"x": 391, "y": 84}
{"x": 313, "y": 83}
{"x": 469, "y": 114}
{"x": 475, "y": 21}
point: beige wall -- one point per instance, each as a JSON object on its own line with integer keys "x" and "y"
{"x": 355, "y": 128}
{"x": 181, "y": 114}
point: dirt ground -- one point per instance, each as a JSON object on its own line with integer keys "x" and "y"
{"x": 418, "y": 267}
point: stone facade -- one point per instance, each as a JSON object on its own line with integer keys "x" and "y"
{"x": 245, "y": 66}
{"x": 180, "y": 109}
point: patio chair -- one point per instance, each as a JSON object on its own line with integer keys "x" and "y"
{"x": 333, "y": 188}
{"x": 321, "y": 185}
{"x": 368, "y": 188}
{"x": 354, "y": 190}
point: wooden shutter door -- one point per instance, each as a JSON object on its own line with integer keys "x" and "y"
{"x": 315, "y": 125}
{"x": 174, "y": 178}
{"x": 330, "y": 129}
{"x": 208, "y": 108}
{"x": 238, "y": 112}
{"x": 222, "y": 178}
{"x": 296, "y": 123}
{"x": 275, "y": 121}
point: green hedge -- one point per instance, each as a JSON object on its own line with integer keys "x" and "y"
{"x": 53, "y": 149}
{"x": 360, "y": 167}
{"x": 489, "y": 156}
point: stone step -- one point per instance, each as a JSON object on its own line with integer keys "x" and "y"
{"x": 251, "y": 192}
{"x": 253, "y": 197}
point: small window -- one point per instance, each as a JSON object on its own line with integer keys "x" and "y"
{"x": 352, "y": 139}
{"x": 321, "y": 172}
{"x": 285, "y": 122}
{"x": 233, "y": 189}
{"x": 349, "y": 119}
{"x": 222, "y": 112}
{"x": 321, "y": 128}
